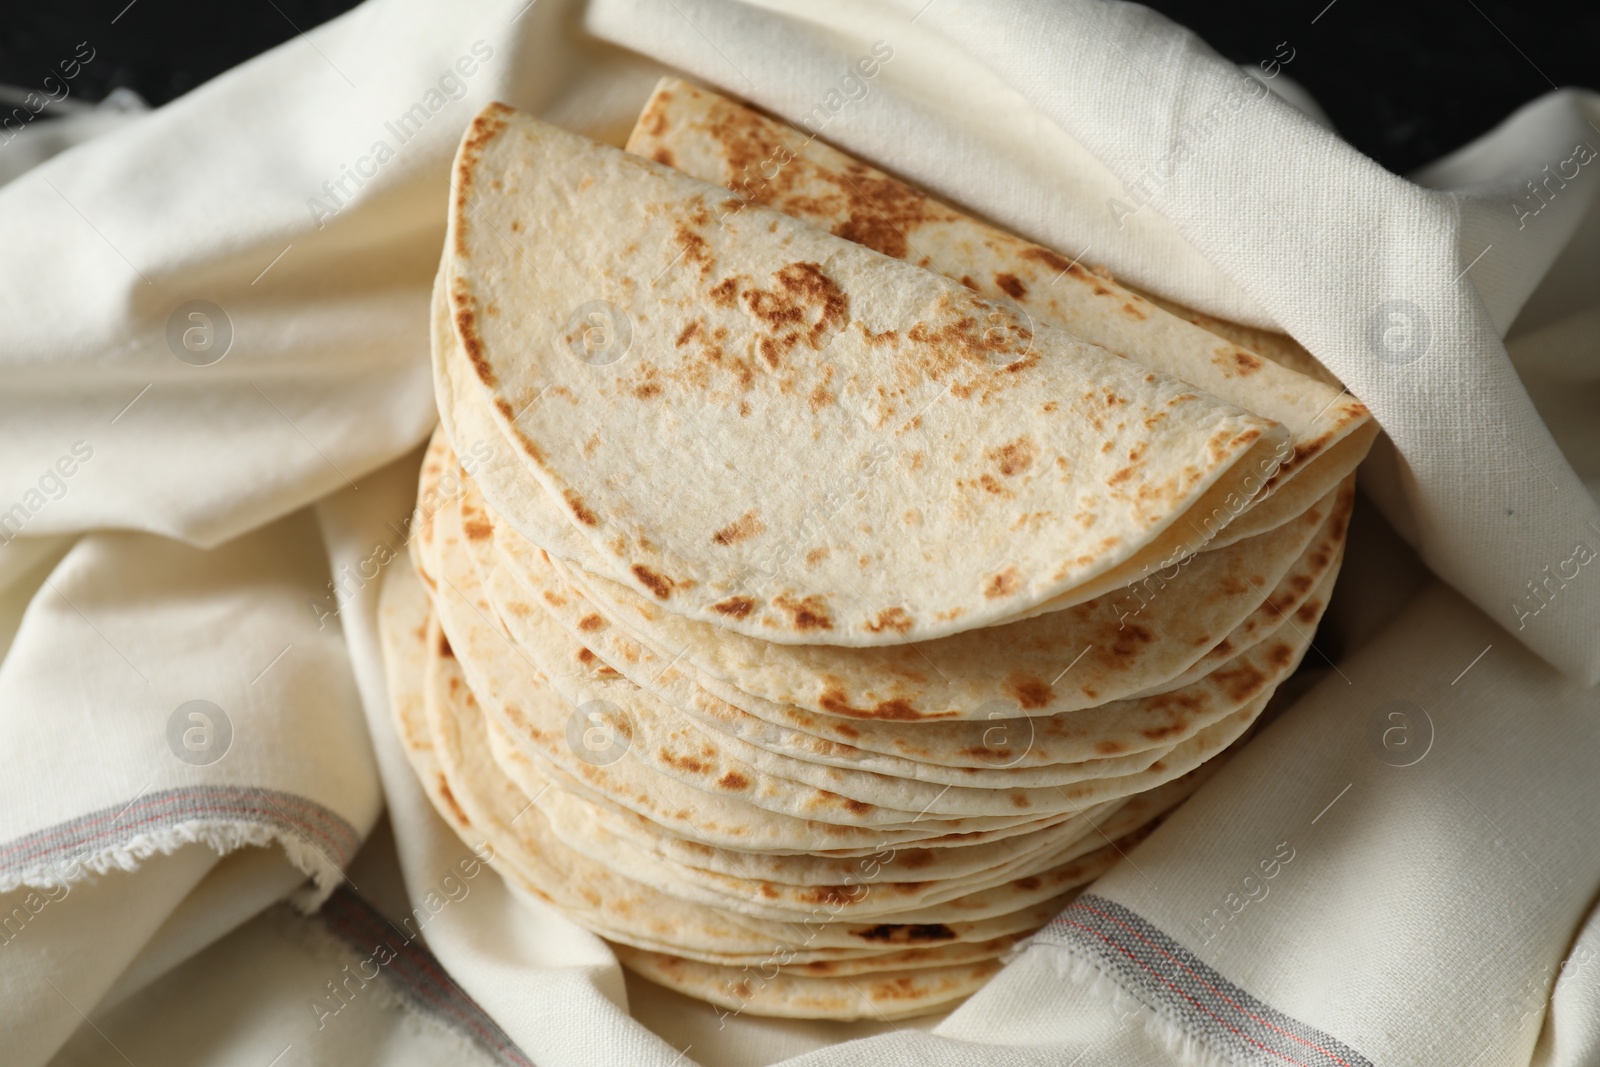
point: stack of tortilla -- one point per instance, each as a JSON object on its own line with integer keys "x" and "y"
{"x": 815, "y": 587}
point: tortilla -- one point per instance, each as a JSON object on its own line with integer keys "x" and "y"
{"x": 766, "y": 162}
{"x": 799, "y": 391}
{"x": 1125, "y": 642}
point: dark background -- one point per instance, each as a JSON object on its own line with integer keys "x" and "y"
{"x": 1404, "y": 80}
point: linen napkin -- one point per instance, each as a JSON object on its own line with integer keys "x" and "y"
{"x": 217, "y": 366}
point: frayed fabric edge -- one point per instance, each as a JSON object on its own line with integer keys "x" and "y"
{"x": 221, "y": 836}
{"x": 1166, "y": 1033}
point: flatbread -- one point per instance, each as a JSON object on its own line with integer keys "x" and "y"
{"x": 815, "y": 388}
{"x": 766, "y": 162}
{"x": 1123, "y": 643}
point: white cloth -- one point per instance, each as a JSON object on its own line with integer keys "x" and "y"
{"x": 182, "y": 527}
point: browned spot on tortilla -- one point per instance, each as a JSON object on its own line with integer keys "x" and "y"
{"x": 684, "y": 763}
{"x": 835, "y": 702}
{"x": 906, "y": 933}
{"x": 648, "y": 390}
{"x": 484, "y": 128}
{"x": 807, "y": 613}
{"x": 1047, "y": 257}
{"x": 658, "y": 584}
{"x": 662, "y": 156}
{"x": 579, "y": 510}
{"x": 695, "y": 249}
{"x": 444, "y": 647}
{"x": 590, "y": 623}
{"x": 450, "y": 801}
{"x": 596, "y": 664}
{"x": 736, "y": 606}
{"x": 743, "y": 528}
{"x": 1005, "y": 583}
{"x": 1011, "y": 285}
{"x": 820, "y": 398}
{"x": 1028, "y": 884}
{"x": 1129, "y": 309}
{"x": 725, "y": 293}
{"x": 769, "y": 351}
{"x": 1161, "y": 733}
{"x": 1108, "y": 748}
{"x": 1014, "y": 457}
{"x": 1030, "y": 692}
{"x": 803, "y": 304}
{"x": 734, "y": 780}
{"x": 688, "y": 334}
{"x": 896, "y": 619}
{"x": 1004, "y": 344}
{"x": 477, "y": 529}
{"x": 471, "y": 343}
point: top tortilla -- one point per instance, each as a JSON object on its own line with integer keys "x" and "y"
{"x": 801, "y": 439}
{"x": 766, "y": 162}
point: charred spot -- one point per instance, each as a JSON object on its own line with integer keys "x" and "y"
{"x": 743, "y": 528}
{"x": 1028, "y": 884}
{"x": 1047, "y": 257}
{"x": 803, "y": 304}
{"x": 688, "y": 334}
{"x": 725, "y": 293}
{"x": 1011, "y": 285}
{"x": 1030, "y": 692}
{"x": 835, "y": 702}
{"x": 1005, "y": 583}
{"x": 881, "y": 210}
{"x": 736, "y": 606}
{"x": 1161, "y": 733}
{"x": 808, "y": 613}
{"x": 579, "y": 510}
{"x": 648, "y": 390}
{"x": 769, "y": 352}
{"x": 874, "y": 231}
{"x": 662, "y": 156}
{"x": 695, "y": 249}
{"x": 477, "y": 529}
{"x": 734, "y": 780}
{"x": 658, "y": 584}
{"x": 472, "y": 345}
{"x": 683, "y": 763}
{"x": 1014, "y": 457}
{"x": 590, "y": 623}
{"x": 907, "y": 933}
{"x": 444, "y": 647}
{"x": 896, "y": 619}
